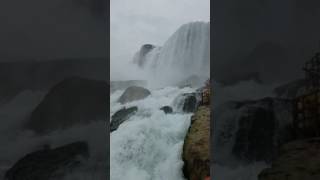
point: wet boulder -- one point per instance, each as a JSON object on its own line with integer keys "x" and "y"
{"x": 49, "y": 163}
{"x": 133, "y": 93}
{"x": 166, "y": 109}
{"x": 190, "y": 102}
{"x": 120, "y": 116}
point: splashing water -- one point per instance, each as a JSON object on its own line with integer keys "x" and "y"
{"x": 149, "y": 144}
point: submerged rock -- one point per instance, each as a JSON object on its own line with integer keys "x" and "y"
{"x": 166, "y": 109}
{"x": 49, "y": 163}
{"x": 71, "y": 102}
{"x": 297, "y": 160}
{"x": 120, "y": 116}
{"x": 133, "y": 93}
{"x": 196, "y": 154}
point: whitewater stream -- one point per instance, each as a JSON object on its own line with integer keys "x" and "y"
{"x": 149, "y": 144}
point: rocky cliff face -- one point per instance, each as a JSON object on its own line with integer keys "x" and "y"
{"x": 196, "y": 154}
{"x": 297, "y": 160}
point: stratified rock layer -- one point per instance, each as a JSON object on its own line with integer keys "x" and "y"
{"x": 196, "y": 154}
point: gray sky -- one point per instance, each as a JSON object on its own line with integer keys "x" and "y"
{"x": 134, "y": 23}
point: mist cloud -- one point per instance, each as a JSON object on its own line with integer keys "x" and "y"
{"x": 134, "y": 23}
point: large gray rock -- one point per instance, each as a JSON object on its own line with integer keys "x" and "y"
{"x": 133, "y": 93}
{"x": 71, "y": 102}
{"x": 120, "y": 116}
{"x": 49, "y": 163}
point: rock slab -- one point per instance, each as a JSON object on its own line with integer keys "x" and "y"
{"x": 196, "y": 154}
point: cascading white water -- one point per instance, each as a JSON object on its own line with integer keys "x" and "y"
{"x": 186, "y": 53}
{"x": 149, "y": 144}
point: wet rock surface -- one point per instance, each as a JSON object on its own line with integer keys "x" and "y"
{"x": 190, "y": 103}
{"x": 167, "y": 109}
{"x": 196, "y": 154}
{"x": 133, "y": 93}
{"x": 120, "y": 116}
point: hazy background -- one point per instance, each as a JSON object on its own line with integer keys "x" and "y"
{"x": 134, "y": 23}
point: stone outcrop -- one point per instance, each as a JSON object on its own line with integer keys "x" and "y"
{"x": 49, "y": 163}
{"x": 120, "y": 116}
{"x": 297, "y": 160}
{"x": 72, "y": 101}
{"x": 133, "y": 93}
{"x": 190, "y": 102}
{"x": 196, "y": 154}
{"x": 140, "y": 56}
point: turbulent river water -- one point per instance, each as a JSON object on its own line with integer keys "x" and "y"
{"x": 149, "y": 144}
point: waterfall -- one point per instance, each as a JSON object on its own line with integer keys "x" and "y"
{"x": 149, "y": 144}
{"x": 184, "y": 54}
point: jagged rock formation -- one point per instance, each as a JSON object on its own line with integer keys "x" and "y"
{"x": 120, "y": 116}
{"x": 70, "y": 102}
{"x": 196, "y": 154}
{"x": 297, "y": 160}
{"x": 49, "y": 163}
{"x": 133, "y": 93}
